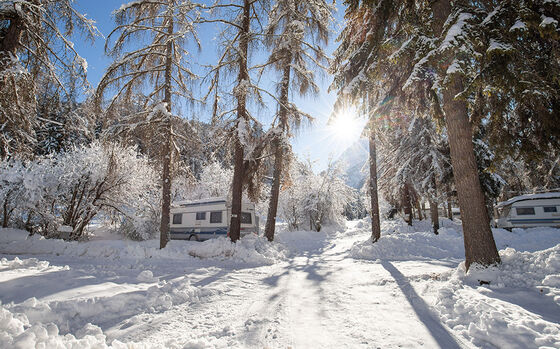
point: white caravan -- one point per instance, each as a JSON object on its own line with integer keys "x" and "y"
{"x": 527, "y": 211}
{"x": 208, "y": 218}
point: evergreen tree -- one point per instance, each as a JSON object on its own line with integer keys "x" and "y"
{"x": 34, "y": 46}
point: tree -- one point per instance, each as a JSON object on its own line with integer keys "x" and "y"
{"x": 248, "y": 140}
{"x": 295, "y": 33}
{"x": 408, "y": 52}
{"x": 315, "y": 200}
{"x": 161, "y": 60}
{"x": 352, "y": 58}
{"x": 34, "y": 45}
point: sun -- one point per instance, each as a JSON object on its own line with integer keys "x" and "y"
{"x": 345, "y": 127}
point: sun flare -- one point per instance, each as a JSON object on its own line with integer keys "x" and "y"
{"x": 346, "y": 127}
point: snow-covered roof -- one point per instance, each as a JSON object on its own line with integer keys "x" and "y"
{"x": 199, "y": 201}
{"x": 549, "y": 195}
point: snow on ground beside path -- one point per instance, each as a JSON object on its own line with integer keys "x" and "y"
{"x": 519, "y": 308}
{"x": 118, "y": 287}
{"x": 402, "y": 242}
{"x": 250, "y": 249}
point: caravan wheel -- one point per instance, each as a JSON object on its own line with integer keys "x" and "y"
{"x": 193, "y": 237}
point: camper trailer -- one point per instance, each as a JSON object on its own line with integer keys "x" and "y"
{"x": 208, "y": 218}
{"x": 527, "y": 211}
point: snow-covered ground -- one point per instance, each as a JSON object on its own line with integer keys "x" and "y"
{"x": 330, "y": 289}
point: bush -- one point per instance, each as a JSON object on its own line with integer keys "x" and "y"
{"x": 73, "y": 187}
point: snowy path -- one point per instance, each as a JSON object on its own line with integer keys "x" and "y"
{"x": 318, "y": 299}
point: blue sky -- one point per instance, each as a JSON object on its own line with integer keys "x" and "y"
{"x": 318, "y": 142}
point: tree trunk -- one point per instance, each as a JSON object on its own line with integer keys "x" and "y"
{"x": 11, "y": 39}
{"x": 449, "y": 209}
{"x": 417, "y": 203}
{"x": 480, "y": 246}
{"x": 375, "y": 222}
{"x": 238, "y": 166}
{"x": 279, "y": 152}
{"x": 167, "y": 134}
{"x": 407, "y": 205}
{"x": 435, "y": 215}
{"x": 434, "y": 212}
{"x": 274, "y": 191}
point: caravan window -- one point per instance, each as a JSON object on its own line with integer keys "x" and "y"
{"x": 201, "y": 216}
{"x": 177, "y": 218}
{"x": 246, "y": 218}
{"x": 216, "y": 217}
{"x": 525, "y": 211}
{"x": 550, "y": 209}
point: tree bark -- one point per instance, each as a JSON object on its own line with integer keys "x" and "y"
{"x": 274, "y": 192}
{"x": 11, "y": 40}
{"x": 407, "y": 205}
{"x": 374, "y": 200}
{"x": 279, "y": 151}
{"x": 434, "y": 212}
{"x": 238, "y": 167}
{"x": 434, "y": 215}
{"x": 417, "y": 203}
{"x": 449, "y": 209}
{"x": 167, "y": 134}
{"x": 480, "y": 246}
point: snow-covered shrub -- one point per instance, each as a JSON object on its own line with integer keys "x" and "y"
{"x": 73, "y": 187}
{"x": 314, "y": 200}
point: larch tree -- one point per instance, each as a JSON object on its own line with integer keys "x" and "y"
{"x": 34, "y": 43}
{"x": 159, "y": 64}
{"x": 295, "y": 34}
{"x": 241, "y": 34}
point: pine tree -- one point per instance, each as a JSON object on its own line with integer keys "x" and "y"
{"x": 34, "y": 46}
{"x": 413, "y": 57}
{"x": 295, "y": 33}
{"x": 161, "y": 60}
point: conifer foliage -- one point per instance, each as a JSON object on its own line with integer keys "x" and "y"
{"x": 34, "y": 44}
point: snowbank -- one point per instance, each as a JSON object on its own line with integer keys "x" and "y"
{"x": 17, "y": 332}
{"x": 402, "y": 242}
{"x": 250, "y": 249}
{"x": 38, "y": 323}
{"x": 519, "y": 308}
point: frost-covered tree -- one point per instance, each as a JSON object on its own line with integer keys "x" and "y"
{"x": 412, "y": 54}
{"x": 241, "y": 34}
{"x": 296, "y": 32}
{"x": 313, "y": 201}
{"x": 63, "y": 122}
{"x": 34, "y": 43}
{"x": 150, "y": 50}
{"x": 72, "y": 187}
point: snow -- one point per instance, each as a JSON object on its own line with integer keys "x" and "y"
{"x": 519, "y": 25}
{"x": 548, "y": 21}
{"x": 495, "y": 45}
{"x": 537, "y": 196}
{"x": 328, "y": 289}
{"x": 455, "y": 32}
